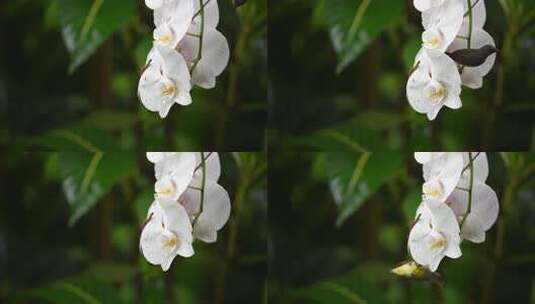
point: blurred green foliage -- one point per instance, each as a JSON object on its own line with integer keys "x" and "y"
{"x": 315, "y": 260}
{"x": 73, "y": 62}
{"x": 338, "y": 79}
{"x": 70, "y": 224}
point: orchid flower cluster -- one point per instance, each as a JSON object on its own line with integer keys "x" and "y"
{"x": 456, "y": 51}
{"x": 188, "y": 205}
{"x": 457, "y": 205}
{"x": 187, "y": 50}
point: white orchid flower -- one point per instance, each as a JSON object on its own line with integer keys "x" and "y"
{"x": 442, "y": 24}
{"x": 435, "y": 83}
{"x": 212, "y": 163}
{"x": 166, "y": 234}
{"x": 213, "y": 59}
{"x": 424, "y": 5}
{"x": 483, "y": 213}
{"x": 472, "y": 77}
{"x": 434, "y": 235}
{"x": 172, "y": 21}
{"x": 441, "y": 175}
{"x": 215, "y": 210}
{"x": 211, "y": 13}
{"x": 480, "y": 166}
{"x": 165, "y": 81}
{"x": 154, "y": 4}
{"x": 424, "y": 157}
{"x": 479, "y": 13}
{"x": 174, "y": 173}
{"x": 155, "y": 157}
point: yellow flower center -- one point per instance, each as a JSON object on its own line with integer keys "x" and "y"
{"x": 433, "y": 189}
{"x": 168, "y": 90}
{"x": 435, "y": 42}
{"x": 165, "y": 188}
{"x": 171, "y": 242}
{"x": 437, "y": 244}
{"x": 433, "y": 192}
{"x": 435, "y": 92}
{"x": 166, "y": 191}
{"x": 165, "y": 39}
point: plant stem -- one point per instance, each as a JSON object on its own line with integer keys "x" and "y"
{"x": 201, "y": 8}
{"x": 470, "y": 7}
{"x": 468, "y": 166}
{"x": 202, "y": 189}
{"x": 200, "y": 37}
{"x": 470, "y": 23}
{"x": 470, "y": 188}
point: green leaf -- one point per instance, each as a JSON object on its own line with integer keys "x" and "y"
{"x": 410, "y": 49}
{"x": 353, "y": 25}
{"x": 142, "y": 204}
{"x": 79, "y": 138}
{"x": 142, "y": 50}
{"x": 355, "y": 177}
{"x": 352, "y": 288}
{"x": 351, "y": 136}
{"x": 87, "y": 24}
{"x": 411, "y": 203}
{"x": 81, "y": 289}
{"x": 110, "y": 120}
{"x": 86, "y": 168}
{"x": 380, "y": 120}
{"x": 87, "y": 177}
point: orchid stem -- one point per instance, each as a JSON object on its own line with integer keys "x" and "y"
{"x": 469, "y": 208}
{"x": 473, "y": 158}
{"x": 203, "y": 183}
{"x": 462, "y": 189}
{"x": 204, "y": 158}
{"x": 202, "y": 5}
{"x": 471, "y": 7}
{"x": 470, "y": 23}
{"x": 200, "y": 36}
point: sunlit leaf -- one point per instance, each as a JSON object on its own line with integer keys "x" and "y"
{"x": 410, "y": 49}
{"x": 82, "y": 289}
{"x": 411, "y": 203}
{"x": 142, "y": 204}
{"x": 355, "y": 177}
{"x": 87, "y": 24}
{"x": 352, "y": 288}
{"x": 142, "y": 50}
{"x": 110, "y": 120}
{"x": 353, "y": 25}
{"x": 349, "y": 136}
{"x": 86, "y": 168}
{"x": 87, "y": 177}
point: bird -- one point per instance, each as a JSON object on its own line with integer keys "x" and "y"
{"x": 411, "y": 270}
{"x": 473, "y": 57}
